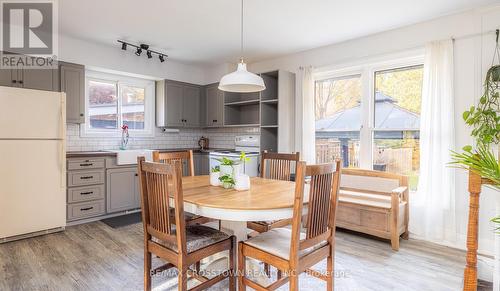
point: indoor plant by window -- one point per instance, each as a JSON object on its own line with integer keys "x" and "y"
{"x": 481, "y": 160}
{"x": 214, "y": 176}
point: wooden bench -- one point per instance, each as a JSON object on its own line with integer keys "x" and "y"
{"x": 375, "y": 203}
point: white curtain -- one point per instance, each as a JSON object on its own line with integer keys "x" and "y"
{"x": 432, "y": 207}
{"x": 304, "y": 125}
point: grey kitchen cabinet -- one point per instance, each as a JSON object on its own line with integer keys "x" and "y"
{"x": 122, "y": 189}
{"x": 201, "y": 164}
{"x": 177, "y": 104}
{"x": 174, "y": 104}
{"x": 191, "y": 106}
{"x": 39, "y": 79}
{"x": 6, "y": 77}
{"x": 72, "y": 78}
{"x": 214, "y": 106}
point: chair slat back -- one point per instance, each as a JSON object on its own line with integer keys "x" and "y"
{"x": 159, "y": 182}
{"x": 278, "y": 166}
{"x": 321, "y": 209}
{"x": 170, "y": 157}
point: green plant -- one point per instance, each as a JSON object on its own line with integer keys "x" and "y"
{"x": 485, "y": 121}
{"x": 227, "y": 179}
{"x": 243, "y": 157}
{"x": 226, "y": 162}
{"x": 216, "y": 169}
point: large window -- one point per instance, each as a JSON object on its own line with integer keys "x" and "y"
{"x": 338, "y": 119}
{"x": 371, "y": 118}
{"x": 114, "y": 101}
{"x": 398, "y": 95}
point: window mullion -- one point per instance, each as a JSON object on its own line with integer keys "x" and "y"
{"x": 366, "y": 131}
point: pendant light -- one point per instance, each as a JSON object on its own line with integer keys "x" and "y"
{"x": 241, "y": 80}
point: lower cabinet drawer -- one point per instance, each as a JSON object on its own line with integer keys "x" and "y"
{"x": 81, "y": 178}
{"x": 86, "y": 209}
{"x": 86, "y": 193}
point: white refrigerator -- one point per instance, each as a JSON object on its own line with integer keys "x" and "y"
{"x": 32, "y": 162}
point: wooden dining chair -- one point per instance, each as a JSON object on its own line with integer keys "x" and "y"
{"x": 180, "y": 245}
{"x": 291, "y": 251}
{"x": 275, "y": 166}
{"x": 182, "y": 157}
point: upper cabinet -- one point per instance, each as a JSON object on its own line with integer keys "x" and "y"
{"x": 177, "y": 104}
{"x": 214, "y": 106}
{"x": 39, "y": 79}
{"x": 73, "y": 84}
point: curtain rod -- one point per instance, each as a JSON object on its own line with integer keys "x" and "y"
{"x": 471, "y": 35}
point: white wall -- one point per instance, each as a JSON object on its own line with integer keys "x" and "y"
{"x": 472, "y": 58}
{"x": 113, "y": 58}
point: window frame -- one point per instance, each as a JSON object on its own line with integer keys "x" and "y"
{"x": 367, "y": 71}
{"x": 119, "y": 81}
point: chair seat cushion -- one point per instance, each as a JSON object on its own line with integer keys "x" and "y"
{"x": 277, "y": 242}
{"x": 187, "y": 215}
{"x": 197, "y": 237}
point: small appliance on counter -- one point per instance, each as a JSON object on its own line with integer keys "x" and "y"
{"x": 250, "y": 144}
{"x": 203, "y": 143}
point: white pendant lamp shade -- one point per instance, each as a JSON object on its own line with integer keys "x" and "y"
{"x": 242, "y": 81}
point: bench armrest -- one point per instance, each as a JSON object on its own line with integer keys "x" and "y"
{"x": 400, "y": 190}
{"x": 400, "y": 193}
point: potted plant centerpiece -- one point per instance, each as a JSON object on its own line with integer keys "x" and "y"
{"x": 227, "y": 181}
{"x": 214, "y": 176}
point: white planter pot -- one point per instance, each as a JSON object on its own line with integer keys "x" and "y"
{"x": 214, "y": 178}
{"x": 226, "y": 170}
{"x": 242, "y": 182}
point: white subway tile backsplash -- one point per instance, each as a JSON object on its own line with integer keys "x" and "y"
{"x": 185, "y": 138}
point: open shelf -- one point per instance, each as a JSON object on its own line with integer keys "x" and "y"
{"x": 246, "y": 102}
{"x": 242, "y": 115}
{"x": 269, "y": 113}
{"x": 269, "y": 101}
{"x": 233, "y": 97}
{"x": 271, "y": 82}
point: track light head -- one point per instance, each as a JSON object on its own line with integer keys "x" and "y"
{"x": 144, "y": 46}
{"x": 124, "y": 46}
{"x": 138, "y": 52}
{"x": 148, "y": 53}
{"x": 162, "y": 59}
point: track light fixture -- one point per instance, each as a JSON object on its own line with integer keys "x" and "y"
{"x": 139, "y": 48}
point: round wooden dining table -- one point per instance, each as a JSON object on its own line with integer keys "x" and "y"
{"x": 265, "y": 200}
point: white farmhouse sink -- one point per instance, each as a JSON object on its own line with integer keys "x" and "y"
{"x": 129, "y": 157}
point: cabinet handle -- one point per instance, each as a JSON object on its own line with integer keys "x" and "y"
{"x": 86, "y": 208}
{"x": 87, "y": 193}
{"x": 86, "y": 177}
{"x": 20, "y": 82}
{"x": 14, "y": 81}
{"x": 215, "y": 120}
{"x": 86, "y": 165}
{"x": 81, "y": 114}
{"x": 136, "y": 174}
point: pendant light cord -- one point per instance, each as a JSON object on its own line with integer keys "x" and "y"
{"x": 241, "y": 32}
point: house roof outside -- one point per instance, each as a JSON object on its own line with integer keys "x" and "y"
{"x": 388, "y": 115}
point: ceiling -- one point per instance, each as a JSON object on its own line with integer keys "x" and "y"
{"x": 208, "y": 31}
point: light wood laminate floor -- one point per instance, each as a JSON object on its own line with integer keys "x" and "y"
{"x": 95, "y": 256}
